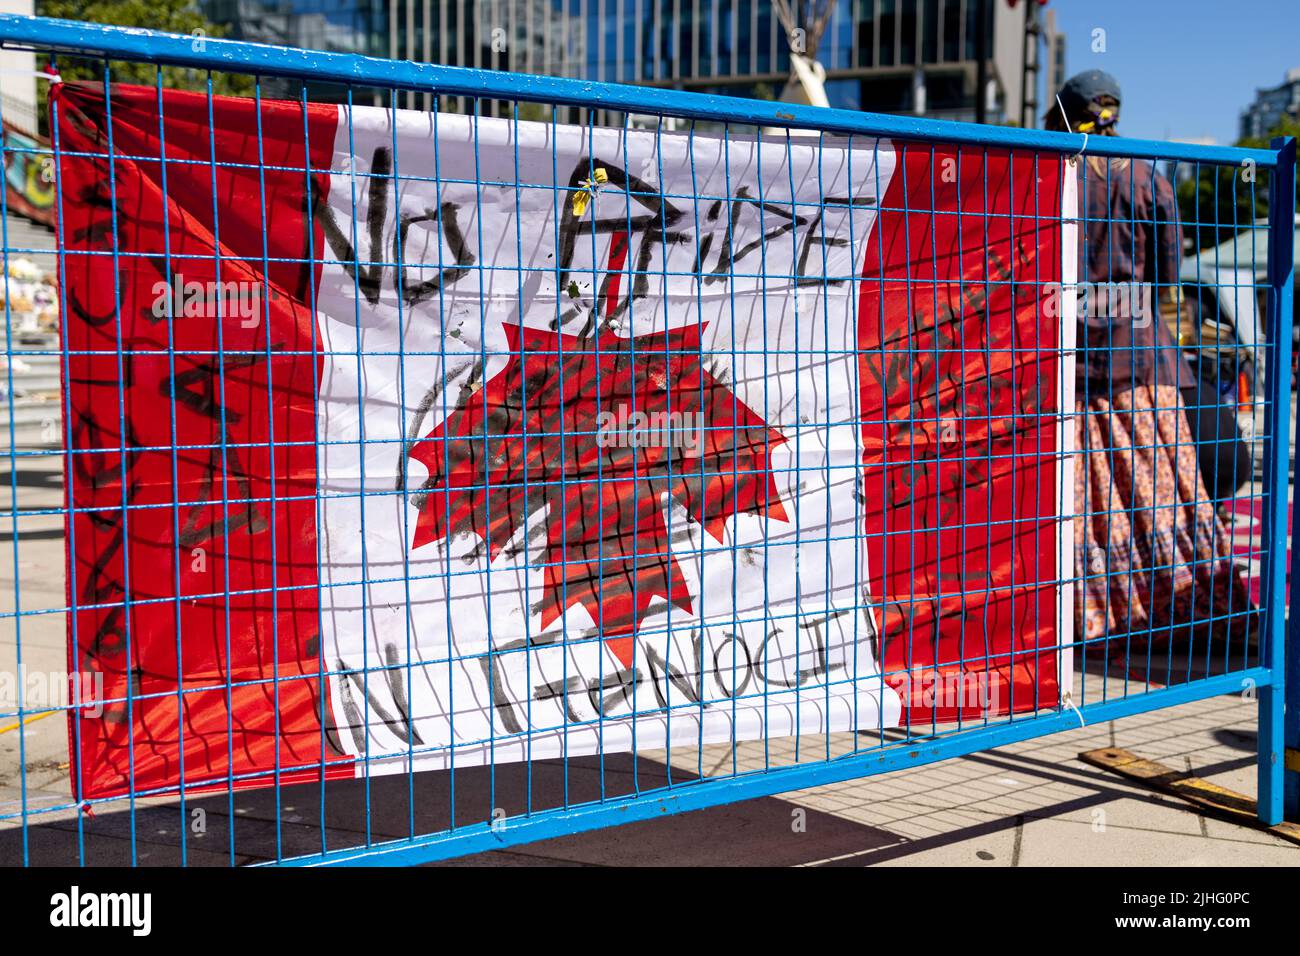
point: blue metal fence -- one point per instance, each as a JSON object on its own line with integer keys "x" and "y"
{"x": 409, "y": 817}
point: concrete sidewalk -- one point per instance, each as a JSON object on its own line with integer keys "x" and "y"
{"x": 1030, "y": 804}
{"x": 1027, "y": 804}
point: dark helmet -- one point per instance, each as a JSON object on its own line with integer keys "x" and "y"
{"x": 1091, "y": 101}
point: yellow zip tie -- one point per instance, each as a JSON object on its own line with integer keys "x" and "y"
{"x": 587, "y": 189}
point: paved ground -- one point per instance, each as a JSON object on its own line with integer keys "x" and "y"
{"x": 1031, "y": 804}
{"x": 1027, "y": 804}
{"x": 1024, "y": 805}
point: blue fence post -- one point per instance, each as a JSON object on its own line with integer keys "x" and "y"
{"x": 1272, "y": 720}
{"x": 1285, "y": 661}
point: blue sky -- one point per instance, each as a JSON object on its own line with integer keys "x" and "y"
{"x": 1186, "y": 67}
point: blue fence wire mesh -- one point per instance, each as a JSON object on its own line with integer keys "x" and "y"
{"x": 1137, "y": 499}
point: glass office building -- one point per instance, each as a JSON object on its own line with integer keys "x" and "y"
{"x": 336, "y": 26}
{"x": 882, "y": 55}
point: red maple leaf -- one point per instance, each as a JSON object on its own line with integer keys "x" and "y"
{"x": 530, "y": 440}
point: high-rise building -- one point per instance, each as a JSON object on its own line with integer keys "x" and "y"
{"x": 917, "y": 56}
{"x": 18, "y": 95}
{"x": 335, "y": 26}
{"x": 1054, "y": 59}
{"x": 1271, "y": 106}
{"x": 352, "y": 26}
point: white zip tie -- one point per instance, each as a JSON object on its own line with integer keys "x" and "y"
{"x": 1068, "y": 700}
{"x": 39, "y": 74}
{"x": 1084, "y": 147}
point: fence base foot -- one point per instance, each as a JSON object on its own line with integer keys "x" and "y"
{"x": 1208, "y": 797}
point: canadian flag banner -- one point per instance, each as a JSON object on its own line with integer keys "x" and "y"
{"x": 404, "y": 440}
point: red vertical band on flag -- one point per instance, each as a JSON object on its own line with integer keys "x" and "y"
{"x": 191, "y": 469}
{"x": 959, "y": 396}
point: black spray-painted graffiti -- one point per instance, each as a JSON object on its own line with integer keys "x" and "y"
{"x": 650, "y": 222}
{"x": 907, "y": 369}
{"x": 725, "y": 673}
{"x": 106, "y": 585}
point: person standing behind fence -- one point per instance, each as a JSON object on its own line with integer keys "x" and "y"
{"x": 1150, "y": 551}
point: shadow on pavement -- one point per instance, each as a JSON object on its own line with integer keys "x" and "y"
{"x": 760, "y": 832}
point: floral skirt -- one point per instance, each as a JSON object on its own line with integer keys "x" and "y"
{"x": 1150, "y": 551}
